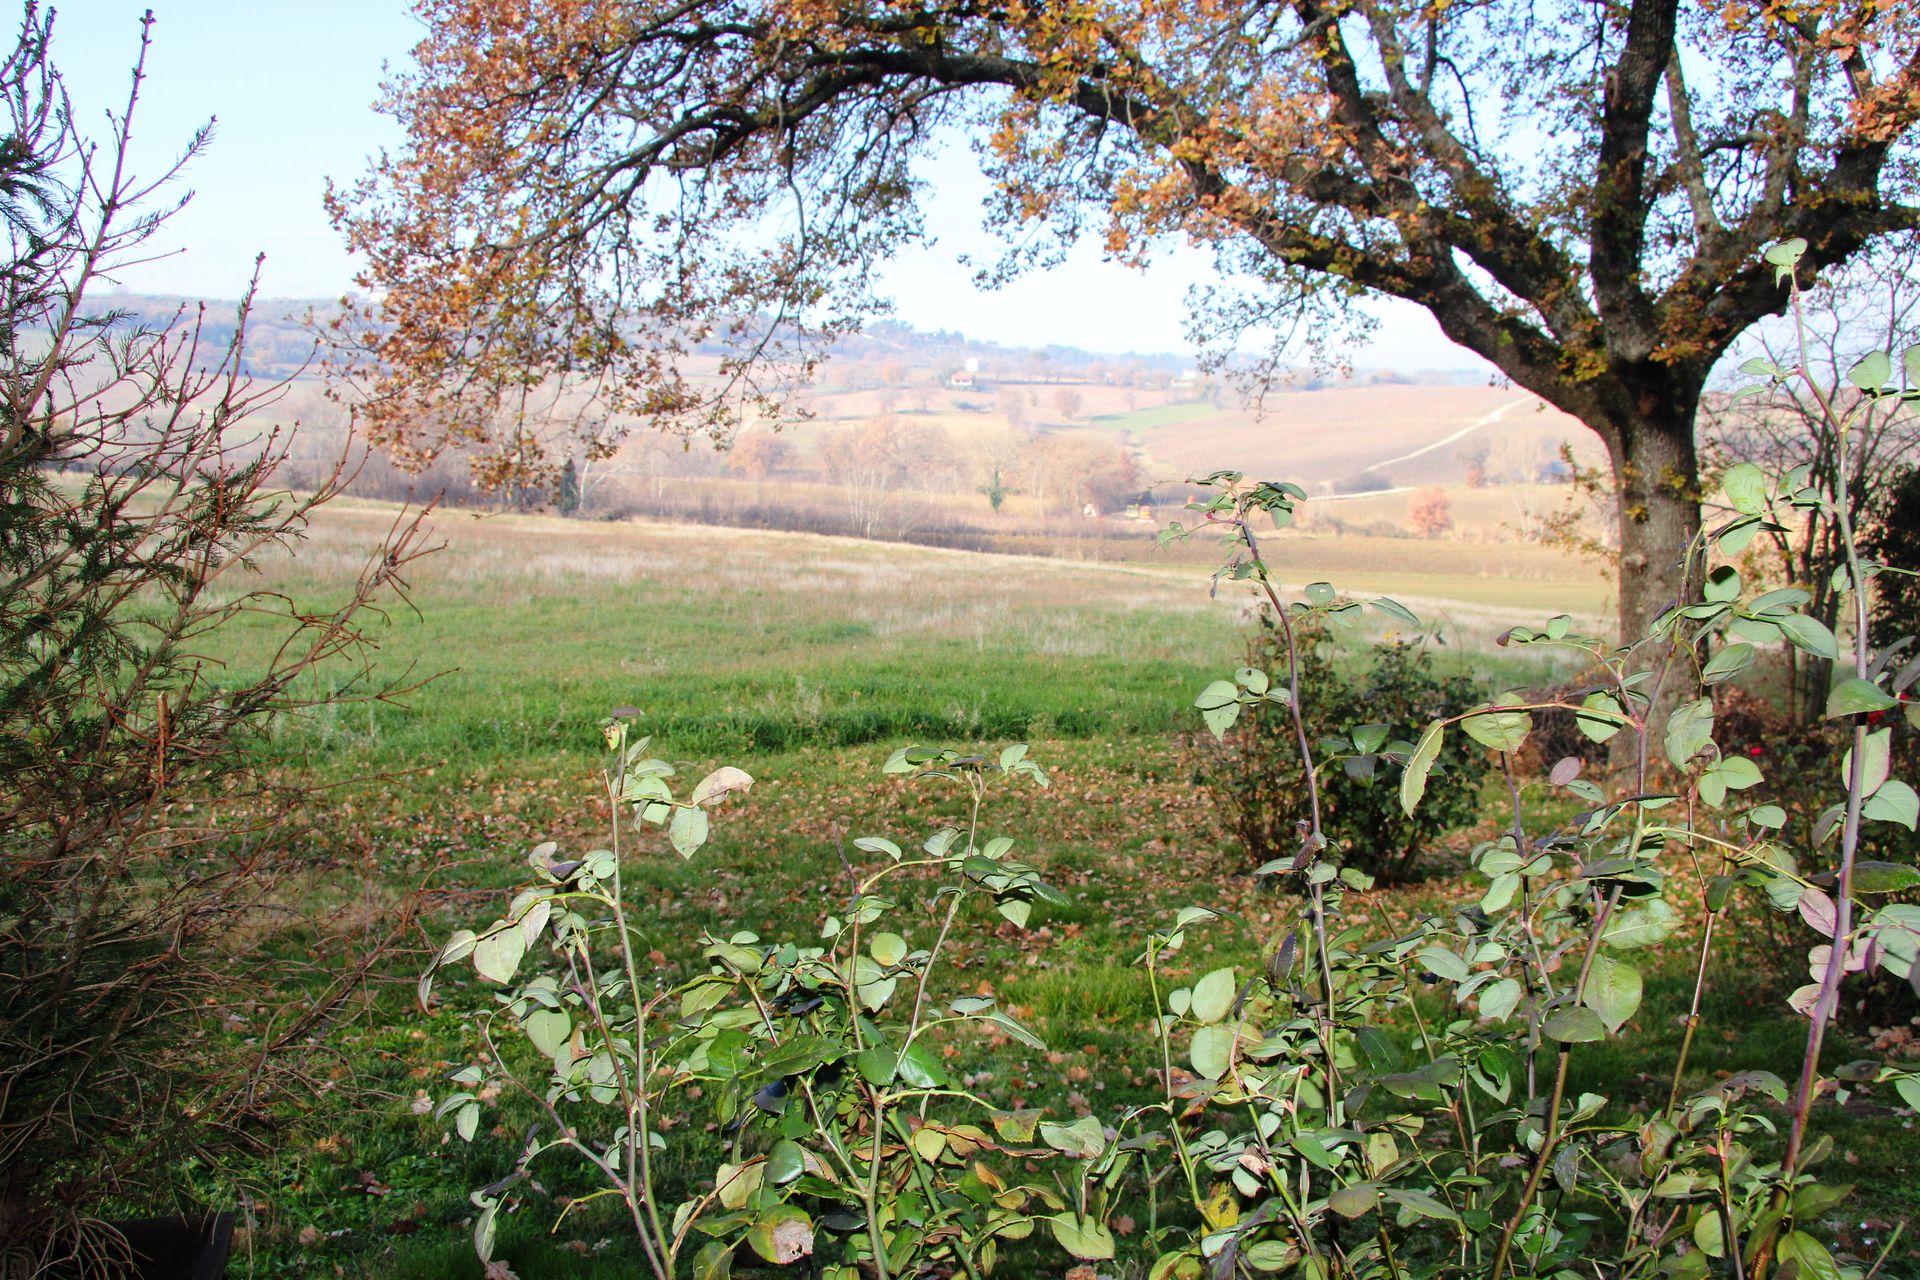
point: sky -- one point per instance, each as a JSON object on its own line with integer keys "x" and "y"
{"x": 291, "y": 86}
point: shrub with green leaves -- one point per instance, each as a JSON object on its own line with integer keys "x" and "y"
{"x": 1362, "y": 724}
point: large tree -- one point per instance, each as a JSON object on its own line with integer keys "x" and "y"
{"x": 1578, "y": 192}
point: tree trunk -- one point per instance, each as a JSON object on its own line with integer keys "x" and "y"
{"x": 1656, "y": 469}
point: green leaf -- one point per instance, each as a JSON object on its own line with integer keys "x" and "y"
{"x": 1500, "y": 893}
{"x": 688, "y": 831}
{"x": 1894, "y": 802}
{"x": 871, "y": 986}
{"x": 1722, "y": 585}
{"x": 785, "y": 1162}
{"x": 1710, "y": 1234}
{"x": 1689, "y": 730}
{"x": 1220, "y": 719}
{"x": 1413, "y": 783}
{"x": 1212, "y": 1050}
{"x": 1730, "y": 773}
{"x": 714, "y": 1261}
{"x": 877, "y": 1065}
{"x": 1499, "y": 998}
{"x": 878, "y": 844}
{"x": 888, "y": 948}
{"x": 1213, "y": 995}
{"x": 1220, "y": 693}
{"x": 1084, "y": 1139}
{"x": 1746, "y": 488}
{"x": 1602, "y": 717}
{"x": 736, "y": 1183}
{"x": 1613, "y": 991}
{"x": 1643, "y": 926}
{"x": 1085, "y": 1238}
{"x": 496, "y": 956}
{"x": 1897, "y": 929}
{"x": 1319, "y": 593}
{"x": 1787, "y": 253}
{"x": 1872, "y": 372}
{"x": 1575, "y": 1024}
{"x": 549, "y": 1029}
{"x": 921, "y": 1069}
{"x": 1442, "y": 963}
{"x": 1736, "y": 536}
{"x": 782, "y": 1234}
{"x": 1857, "y": 697}
{"x": 1809, "y": 634}
{"x": 1015, "y": 1126}
{"x": 1884, "y": 877}
{"x": 1007, "y": 1023}
{"x": 466, "y": 1121}
{"x": 1395, "y": 610}
{"x": 1728, "y": 663}
{"x": 1500, "y": 730}
{"x": 1420, "y": 1203}
{"x": 483, "y": 1231}
{"x": 1352, "y": 1201}
{"x": 1785, "y": 256}
{"x": 1815, "y": 1262}
{"x": 1875, "y": 763}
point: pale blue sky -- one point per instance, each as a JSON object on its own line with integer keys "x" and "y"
{"x": 292, "y": 86}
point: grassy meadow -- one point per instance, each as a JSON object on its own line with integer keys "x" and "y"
{"x": 804, "y": 660}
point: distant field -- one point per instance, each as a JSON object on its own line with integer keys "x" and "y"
{"x": 1160, "y": 415}
{"x": 1402, "y": 432}
{"x": 733, "y": 640}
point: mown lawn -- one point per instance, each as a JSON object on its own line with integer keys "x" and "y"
{"x": 803, "y": 660}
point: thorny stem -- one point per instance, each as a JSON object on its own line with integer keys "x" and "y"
{"x": 1828, "y": 995}
{"x": 978, "y": 788}
{"x": 636, "y": 1098}
{"x": 1699, "y": 977}
{"x": 1316, "y": 838}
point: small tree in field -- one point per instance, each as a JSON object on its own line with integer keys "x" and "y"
{"x": 757, "y": 455}
{"x": 1474, "y": 467}
{"x": 1429, "y": 512}
{"x": 996, "y": 491}
{"x": 1068, "y": 401}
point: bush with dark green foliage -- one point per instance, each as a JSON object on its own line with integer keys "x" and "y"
{"x": 1363, "y": 722}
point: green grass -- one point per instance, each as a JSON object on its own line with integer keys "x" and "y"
{"x": 732, "y": 642}
{"x": 802, "y": 660}
{"x": 736, "y": 643}
{"x": 1159, "y": 415}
